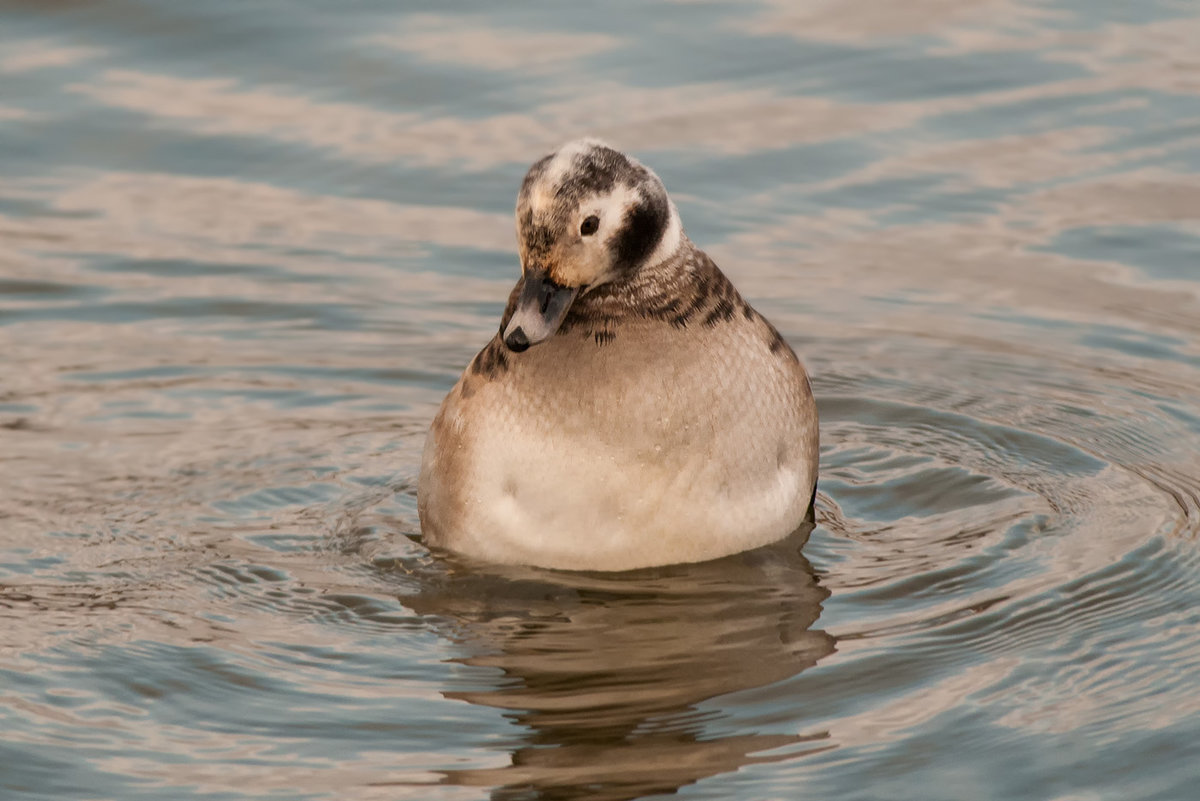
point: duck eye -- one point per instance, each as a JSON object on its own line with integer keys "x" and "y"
{"x": 589, "y": 225}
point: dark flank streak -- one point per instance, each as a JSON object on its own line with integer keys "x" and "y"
{"x": 664, "y": 311}
{"x": 681, "y": 320}
{"x": 711, "y": 292}
{"x": 778, "y": 344}
{"x": 603, "y": 337}
{"x": 589, "y": 319}
{"x": 722, "y": 312}
{"x": 492, "y": 361}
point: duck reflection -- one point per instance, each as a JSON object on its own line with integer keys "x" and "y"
{"x": 608, "y": 672}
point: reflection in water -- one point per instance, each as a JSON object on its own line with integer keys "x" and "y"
{"x": 608, "y": 674}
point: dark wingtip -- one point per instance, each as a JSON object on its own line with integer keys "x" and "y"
{"x": 516, "y": 340}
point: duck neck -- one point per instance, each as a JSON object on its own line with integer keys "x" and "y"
{"x": 677, "y": 290}
{"x": 649, "y": 286}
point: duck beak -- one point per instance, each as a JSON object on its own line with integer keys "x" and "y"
{"x": 540, "y": 310}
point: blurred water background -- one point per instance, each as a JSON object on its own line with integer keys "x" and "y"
{"x": 246, "y": 247}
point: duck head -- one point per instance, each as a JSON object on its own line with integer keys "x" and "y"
{"x": 587, "y": 215}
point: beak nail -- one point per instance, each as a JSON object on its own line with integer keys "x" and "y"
{"x": 516, "y": 340}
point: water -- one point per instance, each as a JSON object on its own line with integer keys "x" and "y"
{"x": 245, "y": 248}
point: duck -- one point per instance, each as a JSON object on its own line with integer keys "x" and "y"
{"x": 633, "y": 410}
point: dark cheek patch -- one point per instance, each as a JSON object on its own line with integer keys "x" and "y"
{"x": 641, "y": 231}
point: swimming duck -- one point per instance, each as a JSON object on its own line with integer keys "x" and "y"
{"x": 633, "y": 409}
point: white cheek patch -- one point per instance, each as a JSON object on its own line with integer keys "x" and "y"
{"x": 611, "y": 210}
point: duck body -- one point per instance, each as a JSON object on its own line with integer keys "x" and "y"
{"x": 660, "y": 420}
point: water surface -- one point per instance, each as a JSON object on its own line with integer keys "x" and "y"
{"x": 245, "y": 249}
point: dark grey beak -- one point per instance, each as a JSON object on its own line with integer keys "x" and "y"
{"x": 540, "y": 310}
